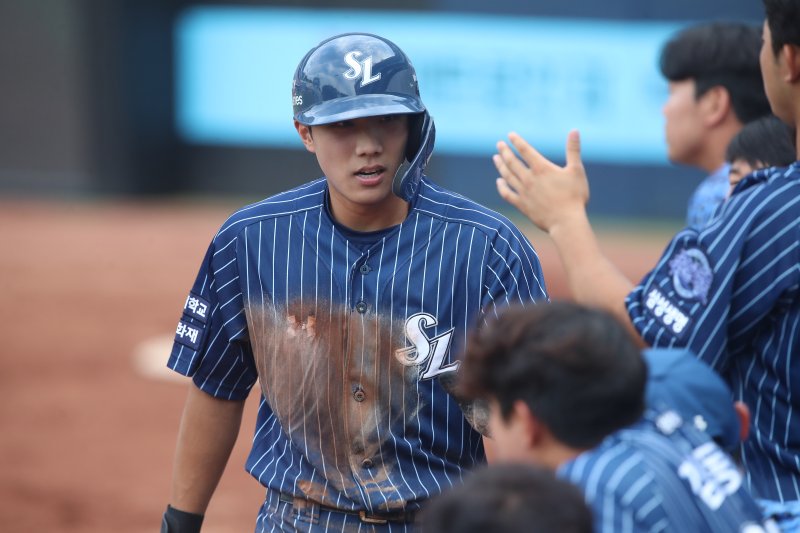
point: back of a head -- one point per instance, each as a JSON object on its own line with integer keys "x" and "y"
{"x": 720, "y": 54}
{"x": 510, "y": 499}
{"x": 783, "y": 18}
{"x": 577, "y": 369}
{"x": 766, "y": 142}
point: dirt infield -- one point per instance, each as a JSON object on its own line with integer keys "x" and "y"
{"x": 87, "y": 431}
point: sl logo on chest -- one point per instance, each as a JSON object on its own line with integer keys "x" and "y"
{"x": 428, "y": 352}
{"x": 357, "y": 67}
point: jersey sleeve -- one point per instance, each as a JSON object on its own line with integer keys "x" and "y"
{"x": 211, "y": 340}
{"x": 712, "y": 290}
{"x": 512, "y": 273}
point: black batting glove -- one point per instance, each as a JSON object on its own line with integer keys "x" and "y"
{"x": 175, "y": 521}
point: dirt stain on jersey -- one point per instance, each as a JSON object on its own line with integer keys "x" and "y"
{"x": 331, "y": 378}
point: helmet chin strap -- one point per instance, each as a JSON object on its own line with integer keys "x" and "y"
{"x": 406, "y": 180}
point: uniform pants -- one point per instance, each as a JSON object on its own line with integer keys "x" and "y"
{"x": 277, "y": 514}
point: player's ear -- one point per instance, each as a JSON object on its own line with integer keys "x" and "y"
{"x": 305, "y": 136}
{"x": 530, "y": 427}
{"x": 743, "y": 412}
{"x": 716, "y": 105}
{"x": 791, "y": 55}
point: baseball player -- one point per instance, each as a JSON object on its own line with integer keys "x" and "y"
{"x": 766, "y": 142}
{"x": 566, "y": 385}
{"x": 715, "y": 88}
{"x": 730, "y": 293}
{"x": 348, "y": 299}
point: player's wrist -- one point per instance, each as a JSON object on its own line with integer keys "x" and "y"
{"x": 570, "y": 219}
{"x": 176, "y": 521}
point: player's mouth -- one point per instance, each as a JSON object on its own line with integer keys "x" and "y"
{"x": 371, "y": 175}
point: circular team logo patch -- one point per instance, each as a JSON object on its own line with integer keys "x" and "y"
{"x": 691, "y": 274}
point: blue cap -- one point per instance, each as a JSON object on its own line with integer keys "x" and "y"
{"x": 677, "y": 379}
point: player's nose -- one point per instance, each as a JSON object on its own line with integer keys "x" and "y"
{"x": 369, "y": 140}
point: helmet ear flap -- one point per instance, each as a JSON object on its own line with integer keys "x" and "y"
{"x": 420, "y": 130}
{"x": 419, "y": 147}
{"x": 415, "y": 127}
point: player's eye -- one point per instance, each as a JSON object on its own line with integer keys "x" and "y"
{"x": 390, "y": 118}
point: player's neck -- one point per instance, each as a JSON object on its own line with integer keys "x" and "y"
{"x": 792, "y": 94}
{"x": 713, "y": 156}
{"x": 797, "y": 146}
{"x": 795, "y": 123}
{"x": 369, "y": 217}
{"x": 552, "y": 453}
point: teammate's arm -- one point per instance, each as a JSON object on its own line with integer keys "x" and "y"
{"x": 208, "y": 430}
{"x": 554, "y": 198}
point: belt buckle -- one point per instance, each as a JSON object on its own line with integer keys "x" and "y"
{"x": 368, "y": 519}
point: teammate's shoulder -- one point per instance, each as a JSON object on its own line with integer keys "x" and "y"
{"x": 436, "y": 201}
{"x": 765, "y": 201}
{"x": 765, "y": 181}
{"x": 785, "y": 181}
{"x": 790, "y": 172}
{"x": 302, "y": 198}
{"x": 602, "y": 461}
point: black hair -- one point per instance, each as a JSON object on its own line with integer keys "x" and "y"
{"x": 767, "y": 141}
{"x": 783, "y": 19}
{"x": 720, "y": 54}
{"x": 509, "y": 498}
{"x": 577, "y": 369}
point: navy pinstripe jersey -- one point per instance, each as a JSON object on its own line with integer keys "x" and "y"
{"x": 663, "y": 475}
{"x": 730, "y": 294}
{"x": 354, "y": 345}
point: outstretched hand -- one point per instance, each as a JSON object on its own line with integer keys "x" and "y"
{"x": 546, "y": 193}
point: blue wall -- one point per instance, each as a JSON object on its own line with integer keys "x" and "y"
{"x": 109, "y": 80}
{"x": 537, "y": 68}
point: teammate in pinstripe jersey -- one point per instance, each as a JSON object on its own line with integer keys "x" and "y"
{"x": 662, "y": 474}
{"x": 715, "y": 89}
{"x": 730, "y": 293}
{"x": 348, "y": 299}
{"x": 566, "y": 388}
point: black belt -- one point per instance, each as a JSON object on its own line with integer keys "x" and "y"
{"x": 405, "y": 516}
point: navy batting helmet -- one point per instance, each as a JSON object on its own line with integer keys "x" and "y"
{"x": 357, "y": 75}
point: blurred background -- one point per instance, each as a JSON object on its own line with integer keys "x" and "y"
{"x": 147, "y": 98}
{"x": 129, "y": 129}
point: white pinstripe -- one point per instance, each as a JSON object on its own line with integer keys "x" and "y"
{"x": 488, "y": 260}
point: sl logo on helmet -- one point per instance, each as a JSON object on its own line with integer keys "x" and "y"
{"x": 357, "y": 67}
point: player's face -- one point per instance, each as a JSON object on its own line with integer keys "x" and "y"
{"x": 360, "y": 158}
{"x": 739, "y": 169}
{"x": 683, "y": 125}
{"x": 509, "y": 435}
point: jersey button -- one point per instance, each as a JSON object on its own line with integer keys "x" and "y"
{"x": 367, "y": 463}
{"x": 359, "y": 395}
{"x": 365, "y": 269}
{"x": 361, "y": 307}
